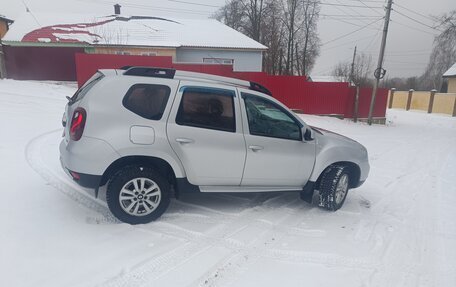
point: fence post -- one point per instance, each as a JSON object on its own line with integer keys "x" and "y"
{"x": 390, "y": 103}
{"x": 355, "y": 112}
{"x": 454, "y": 107}
{"x": 409, "y": 99}
{"x": 2, "y": 62}
{"x": 431, "y": 101}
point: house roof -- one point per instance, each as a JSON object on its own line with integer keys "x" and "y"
{"x": 451, "y": 72}
{"x": 9, "y": 21}
{"x": 123, "y": 30}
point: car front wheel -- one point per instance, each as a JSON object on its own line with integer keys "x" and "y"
{"x": 137, "y": 195}
{"x": 334, "y": 187}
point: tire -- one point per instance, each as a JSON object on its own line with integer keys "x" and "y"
{"x": 334, "y": 187}
{"x": 138, "y": 195}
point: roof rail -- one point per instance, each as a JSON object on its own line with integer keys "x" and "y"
{"x": 211, "y": 78}
{"x": 259, "y": 88}
{"x": 172, "y": 73}
{"x": 150, "y": 72}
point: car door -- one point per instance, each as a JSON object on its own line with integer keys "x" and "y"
{"x": 276, "y": 153}
{"x": 205, "y": 131}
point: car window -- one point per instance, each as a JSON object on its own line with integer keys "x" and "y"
{"x": 207, "y": 108}
{"x": 147, "y": 100}
{"x": 82, "y": 91}
{"x": 268, "y": 119}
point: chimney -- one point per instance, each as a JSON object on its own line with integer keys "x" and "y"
{"x": 117, "y": 9}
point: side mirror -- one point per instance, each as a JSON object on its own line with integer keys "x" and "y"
{"x": 308, "y": 134}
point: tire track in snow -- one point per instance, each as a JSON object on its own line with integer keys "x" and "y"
{"x": 34, "y": 159}
{"x": 405, "y": 255}
{"x": 150, "y": 270}
{"x": 231, "y": 267}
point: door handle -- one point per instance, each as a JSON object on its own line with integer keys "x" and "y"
{"x": 255, "y": 147}
{"x": 184, "y": 140}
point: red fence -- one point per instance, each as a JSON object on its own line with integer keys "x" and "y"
{"x": 41, "y": 63}
{"x": 294, "y": 91}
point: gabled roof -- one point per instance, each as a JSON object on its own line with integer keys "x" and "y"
{"x": 451, "y": 72}
{"x": 123, "y": 30}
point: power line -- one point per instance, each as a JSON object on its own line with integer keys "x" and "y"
{"x": 344, "y": 21}
{"x": 417, "y": 21}
{"x": 30, "y": 11}
{"x": 352, "y": 32}
{"x": 376, "y": 11}
{"x": 348, "y": 16}
{"x": 374, "y": 40}
{"x": 351, "y": 42}
{"x": 404, "y": 51}
{"x": 414, "y": 12}
{"x": 404, "y": 62}
{"x": 346, "y": 5}
{"x": 330, "y": 68}
{"x": 151, "y": 7}
{"x": 413, "y": 28}
{"x": 193, "y": 3}
{"x": 352, "y": 10}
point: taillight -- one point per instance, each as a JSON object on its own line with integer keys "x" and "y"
{"x": 77, "y": 124}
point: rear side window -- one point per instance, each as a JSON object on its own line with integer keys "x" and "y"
{"x": 207, "y": 108}
{"x": 82, "y": 91}
{"x": 146, "y": 100}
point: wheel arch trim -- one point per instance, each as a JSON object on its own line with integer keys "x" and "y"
{"x": 162, "y": 166}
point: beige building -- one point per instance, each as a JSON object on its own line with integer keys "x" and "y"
{"x": 450, "y": 75}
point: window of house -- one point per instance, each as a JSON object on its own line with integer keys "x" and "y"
{"x": 123, "y": 53}
{"x": 207, "y": 108}
{"x": 149, "y": 54}
{"x": 268, "y": 119}
{"x": 218, "y": 61}
{"x": 147, "y": 101}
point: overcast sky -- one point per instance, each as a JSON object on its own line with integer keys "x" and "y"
{"x": 409, "y": 40}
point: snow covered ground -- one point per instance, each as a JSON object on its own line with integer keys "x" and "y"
{"x": 398, "y": 229}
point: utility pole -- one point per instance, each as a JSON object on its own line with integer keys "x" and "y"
{"x": 352, "y": 81}
{"x": 352, "y": 72}
{"x": 380, "y": 72}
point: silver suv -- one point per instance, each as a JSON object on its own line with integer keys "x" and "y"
{"x": 148, "y": 131}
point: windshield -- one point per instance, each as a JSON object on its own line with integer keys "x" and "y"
{"x": 82, "y": 91}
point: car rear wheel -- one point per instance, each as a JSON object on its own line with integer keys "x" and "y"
{"x": 137, "y": 195}
{"x": 334, "y": 187}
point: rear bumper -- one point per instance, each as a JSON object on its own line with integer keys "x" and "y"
{"x": 84, "y": 180}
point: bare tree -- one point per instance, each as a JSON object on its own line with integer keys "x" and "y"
{"x": 232, "y": 14}
{"x": 443, "y": 54}
{"x": 361, "y": 70}
{"x": 290, "y": 10}
{"x": 272, "y": 36}
{"x": 310, "y": 43}
{"x": 245, "y": 16}
{"x": 287, "y": 27}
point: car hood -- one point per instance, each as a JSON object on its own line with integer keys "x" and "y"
{"x": 331, "y": 134}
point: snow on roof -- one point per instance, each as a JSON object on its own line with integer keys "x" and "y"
{"x": 128, "y": 31}
{"x": 5, "y": 19}
{"x": 451, "y": 71}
